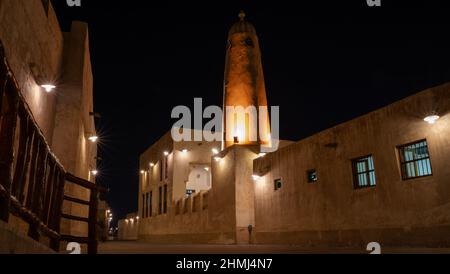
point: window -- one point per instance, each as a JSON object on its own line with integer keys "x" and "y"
{"x": 165, "y": 200}
{"x": 143, "y": 206}
{"x": 364, "y": 172}
{"x": 149, "y": 205}
{"x": 160, "y": 201}
{"x": 415, "y": 160}
{"x": 278, "y": 184}
{"x": 312, "y": 176}
{"x": 160, "y": 170}
{"x": 166, "y": 168}
{"x": 146, "y": 205}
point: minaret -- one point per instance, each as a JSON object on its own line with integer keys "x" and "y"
{"x": 244, "y": 86}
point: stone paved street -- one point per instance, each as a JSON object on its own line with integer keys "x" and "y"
{"x": 129, "y": 247}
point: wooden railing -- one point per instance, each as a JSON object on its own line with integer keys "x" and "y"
{"x": 32, "y": 184}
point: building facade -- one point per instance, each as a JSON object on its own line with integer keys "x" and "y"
{"x": 39, "y": 53}
{"x": 383, "y": 177}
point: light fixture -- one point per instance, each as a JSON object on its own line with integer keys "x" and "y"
{"x": 48, "y": 87}
{"x": 93, "y": 138}
{"x": 166, "y": 153}
{"x": 207, "y": 168}
{"x": 184, "y": 151}
{"x": 94, "y": 172}
{"x": 142, "y": 171}
{"x": 432, "y": 119}
{"x": 152, "y": 164}
{"x": 137, "y": 218}
{"x": 256, "y": 177}
{"x": 126, "y": 221}
{"x": 108, "y": 211}
{"x": 217, "y": 158}
{"x": 215, "y": 151}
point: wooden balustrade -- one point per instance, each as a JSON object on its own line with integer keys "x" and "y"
{"x": 32, "y": 184}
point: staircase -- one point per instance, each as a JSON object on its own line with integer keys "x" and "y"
{"x": 32, "y": 181}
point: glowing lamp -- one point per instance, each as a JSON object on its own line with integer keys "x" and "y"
{"x": 166, "y": 153}
{"x": 93, "y": 138}
{"x": 431, "y": 119}
{"x": 142, "y": 171}
{"x": 217, "y": 159}
{"x": 48, "y": 87}
{"x": 184, "y": 151}
{"x": 256, "y": 177}
{"x": 207, "y": 168}
{"x": 152, "y": 164}
{"x": 215, "y": 151}
{"x": 94, "y": 172}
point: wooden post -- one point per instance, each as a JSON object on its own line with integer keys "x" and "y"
{"x": 58, "y": 199}
{"x": 93, "y": 208}
{"x": 7, "y": 131}
{"x": 38, "y": 202}
{"x": 21, "y": 164}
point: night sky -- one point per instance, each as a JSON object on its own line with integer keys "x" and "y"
{"x": 324, "y": 64}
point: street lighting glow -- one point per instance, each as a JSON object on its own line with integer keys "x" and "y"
{"x": 431, "y": 119}
{"x": 48, "y": 87}
{"x": 93, "y": 138}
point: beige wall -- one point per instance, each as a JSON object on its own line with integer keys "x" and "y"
{"x": 332, "y": 212}
{"x": 34, "y": 47}
{"x": 38, "y": 52}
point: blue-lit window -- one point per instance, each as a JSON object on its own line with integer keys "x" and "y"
{"x": 415, "y": 160}
{"x": 364, "y": 172}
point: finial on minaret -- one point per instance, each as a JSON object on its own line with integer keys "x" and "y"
{"x": 242, "y": 15}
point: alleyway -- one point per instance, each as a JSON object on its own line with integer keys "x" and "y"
{"x": 125, "y": 247}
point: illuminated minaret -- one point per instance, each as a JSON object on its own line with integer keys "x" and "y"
{"x": 244, "y": 86}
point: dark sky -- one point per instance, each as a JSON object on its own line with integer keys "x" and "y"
{"x": 324, "y": 64}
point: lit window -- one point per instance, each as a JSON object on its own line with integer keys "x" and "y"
{"x": 364, "y": 172}
{"x": 312, "y": 176}
{"x": 415, "y": 160}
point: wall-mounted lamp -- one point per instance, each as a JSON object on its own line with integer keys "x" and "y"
{"x": 218, "y": 159}
{"x": 95, "y": 114}
{"x": 142, "y": 172}
{"x": 432, "y": 119}
{"x": 215, "y": 151}
{"x": 256, "y": 177}
{"x": 207, "y": 168}
{"x": 152, "y": 164}
{"x": 48, "y": 87}
{"x": 93, "y": 138}
{"x": 184, "y": 151}
{"x": 166, "y": 153}
{"x": 94, "y": 172}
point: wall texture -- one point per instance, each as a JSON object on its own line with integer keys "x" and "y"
{"x": 39, "y": 53}
{"x": 331, "y": 212}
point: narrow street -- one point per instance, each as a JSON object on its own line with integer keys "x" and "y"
{"x": 131, "y": 247}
